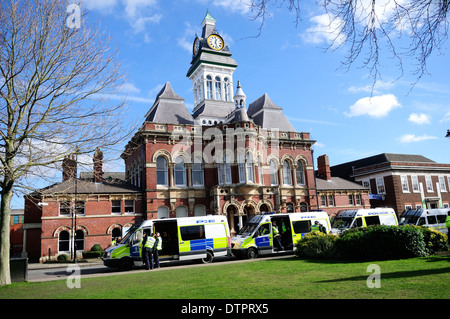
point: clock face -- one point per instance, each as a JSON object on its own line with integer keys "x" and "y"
{"x": 196, "y": 46}
{"x": 215, "y": 42}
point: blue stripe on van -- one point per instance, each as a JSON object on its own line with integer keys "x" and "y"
{"x": 199, "y": 244}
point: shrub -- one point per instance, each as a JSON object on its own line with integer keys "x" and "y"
{"x": 434, "y": 240}
{"x": 381, "y": 243}
{"x": 62, "y": 258}
{"x": 96, "y": 247}
{"x": 316, "y": 245}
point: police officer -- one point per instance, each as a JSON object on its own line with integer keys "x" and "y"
{"x": 276, "y": 236}
{"x": 156, "y": 248}
{"x": 146, "y": 246}
{"x": 318, "y": 227}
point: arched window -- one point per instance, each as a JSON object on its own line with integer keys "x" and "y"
{"x": 209, "y": 87}
{"x": 260, "y": 171}
{"x": 300, "y": 173}
{"x": 161, "y": 171}
{"x": 180, "y": 172}
{"x": 241, "y": 166}
{"x": 197, "y": 172}
{"x": 227, "y": 165}
{"x": 163, "y": 212}
{"x": 227, "y": 89}
{"x": 250, "y": 169}
{"x": 64, "y": 241}
{"x": 79, "y": 240}
{"x": 181, "y": 211}
{"x": 218, "y": 89}
{"x": 199, "y": 210}
{"x": 273, "y": 172}
{"x": 287, "y": 178}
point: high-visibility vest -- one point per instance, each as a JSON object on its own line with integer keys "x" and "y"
{"x": 150, "y": 242}
{"x": 275, "y": 230}
{"x": 447, "y": 222}
{"x": 315, "y": 228}
{"x": 159, "y": 244}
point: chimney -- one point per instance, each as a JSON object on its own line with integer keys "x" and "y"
{"x": 69, "y": 167}
{"x": 323, "y": 167}
{"x": 98, "y": 166}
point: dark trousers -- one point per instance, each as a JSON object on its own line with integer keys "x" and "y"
{"x": 147, "y": 258}
{"x": 156, "y": 258}
{"x": 277, "y": 242}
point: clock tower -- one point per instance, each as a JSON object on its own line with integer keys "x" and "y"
{"x": 211, "y": 73}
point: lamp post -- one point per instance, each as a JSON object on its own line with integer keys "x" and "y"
{"x": 448, "y": 133}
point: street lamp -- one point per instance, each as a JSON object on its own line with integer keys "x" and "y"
{"x": 448, "y": 133}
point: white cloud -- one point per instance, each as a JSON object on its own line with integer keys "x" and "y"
{"x": 325, "y": 29}
{"x": 377, "y": 88}
{"x": 411, "y": 138}
{"x": 446, "y": 118}
{"x": 376, "y": 106}
{"x": 138, "y": 13}
{"x": 419, "y": 118}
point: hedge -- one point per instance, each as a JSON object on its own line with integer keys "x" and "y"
{"x": 373, "y": 243}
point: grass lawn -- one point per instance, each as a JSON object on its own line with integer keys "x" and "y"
{"x": 286, "y": 278}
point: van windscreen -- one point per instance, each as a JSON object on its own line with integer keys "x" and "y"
{"x": 248, "y": 229}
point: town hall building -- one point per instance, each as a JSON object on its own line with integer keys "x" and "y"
{"x": 227, "y": 157}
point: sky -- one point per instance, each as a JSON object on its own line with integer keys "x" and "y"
{"x": 347, "y": 117}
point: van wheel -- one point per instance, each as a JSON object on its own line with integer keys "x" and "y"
{"x": 209, "y": 258}
{"x": 252, "y": 253}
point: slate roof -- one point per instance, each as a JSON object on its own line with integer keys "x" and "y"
{"x": 88, "y": 186}
{"x": 345, "y": 170}
{"x": 337, "y": 183}
{"x": 169, "y": 108}
{"x": 268, "y": 115}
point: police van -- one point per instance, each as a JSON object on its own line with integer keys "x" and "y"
{"x": 258, "y": 236}
{"x": 432, "y": 218}
{"x": 352, "y": 218}
{"x": 186, "y": 238}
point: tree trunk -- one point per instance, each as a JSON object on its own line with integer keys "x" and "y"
{"x": 5, "y": 213}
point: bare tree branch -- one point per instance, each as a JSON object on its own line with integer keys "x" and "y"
{"x": 54, "y": 83}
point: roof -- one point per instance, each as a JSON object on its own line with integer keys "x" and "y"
{"x": 337, "y": 183}
{"x": 169, "y": 108}
{"x": 88, "y": 186}
{"x": 346, "y": 170}
{"x": 268, "y": 115}
{"x": 263, "y": 102}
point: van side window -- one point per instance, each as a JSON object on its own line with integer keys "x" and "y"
{"x": 421, "y": 221}
{"x": 264, "y": 230}
{"x": 303, "y": 226}
{"x": 441, "y": 219}
{"x": 192, "y": 232}
{"x": 372, "y": 220}
{"x": 431, "y": 220}
{"x": 358, "y": 222}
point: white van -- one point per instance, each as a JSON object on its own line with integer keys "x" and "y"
{"x": 186, "y": 238}
{"x": 353, "y": 218}
{"x": 432, "y": 218}
{"x": 256, "y": 237}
